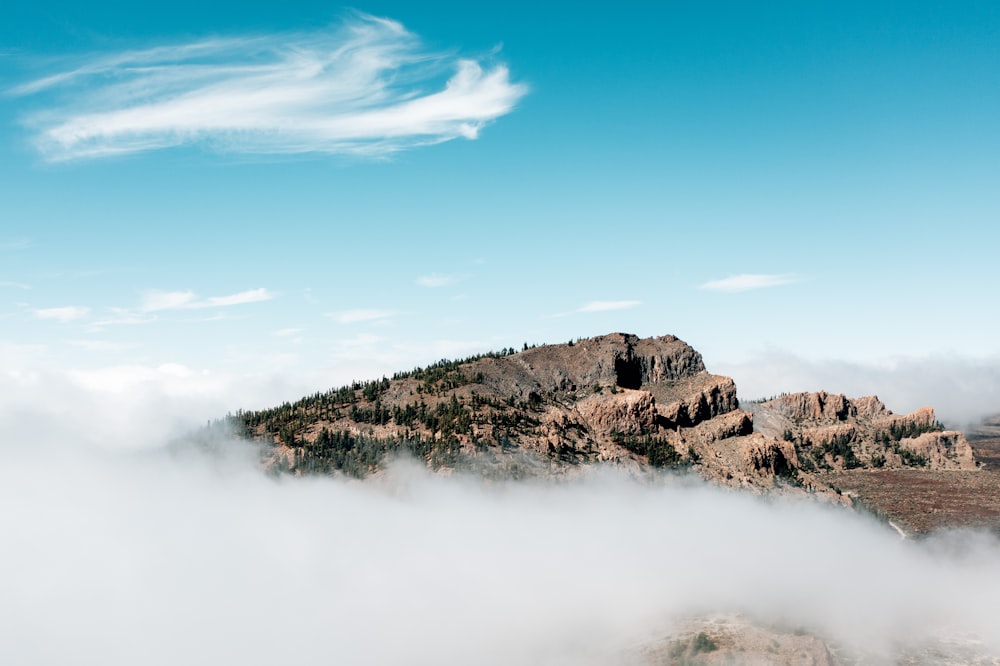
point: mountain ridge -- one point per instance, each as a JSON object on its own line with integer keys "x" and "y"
{"x": 616, "y": 399}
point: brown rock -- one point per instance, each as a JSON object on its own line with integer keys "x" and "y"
{"x": 815, "y": 406}
{"x": 703, "y": 397}
{"x": 942, "y": 450}
{"x": 626, "y": 412}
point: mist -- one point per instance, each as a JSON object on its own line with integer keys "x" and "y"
{"x": 197, "y": 557}
{"x": 122, "y": 548}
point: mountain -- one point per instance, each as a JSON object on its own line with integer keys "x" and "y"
{"x": 616, "y": 399}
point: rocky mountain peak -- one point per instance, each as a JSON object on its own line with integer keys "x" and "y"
{"x": 615, "y": 399}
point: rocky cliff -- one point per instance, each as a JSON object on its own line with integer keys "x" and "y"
{"x": 614, "y": 399}
{"x": 833, "y": 432}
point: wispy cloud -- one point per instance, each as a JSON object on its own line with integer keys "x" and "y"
{"x": 748, "y": 282}
{"x": 99, "y": 345}
{"x": 435, "y": 280}
{"x": 287, "y": 332}
{"x": 122, "y": 317}
{"x": 16, "y": 244}
{"x": 14, "y": 285}
{"x": 156, "y": 301}
{"x": 357, "y": 316}
{"x": 64, "y": 314}
{"x": 597, "y": 306}
{"x": 365, "y": 87}
{"x": 605, "y": 306}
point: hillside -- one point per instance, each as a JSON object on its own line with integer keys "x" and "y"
{"x": 616, "y": 399}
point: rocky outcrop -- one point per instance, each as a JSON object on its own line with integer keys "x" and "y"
{"x": 616, "y": 399}
{"x": 941, "y": 450}
{"x": 813, "y": 406}
{"x": 626, "y": 412}
{"x": 831, "y": 431}
{"x": 619, "y": 359}
{"x": 692, "y": 402}
{"x": 923, "y": 418}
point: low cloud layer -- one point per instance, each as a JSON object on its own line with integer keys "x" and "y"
{"x": 121, "y": 550}
{"x": 962, "y": 390}
{"x": 200, "y": 559}
{"x": 365, "y": 87}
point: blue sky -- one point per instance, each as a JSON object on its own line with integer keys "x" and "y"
{"x": 209, "y": 190}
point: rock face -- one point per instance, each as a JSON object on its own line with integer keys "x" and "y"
{"x": 832, "y": 432}
{"x": 626, "y": 412}
{"x": 616, "y": 399}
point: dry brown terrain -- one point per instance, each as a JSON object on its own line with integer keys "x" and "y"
{"x": 920, "y": 501}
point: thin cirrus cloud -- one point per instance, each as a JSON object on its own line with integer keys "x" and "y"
{"x": 63, "y": 314}
{"x": 17, "y": 244}
{"x": 435, "y": 280}
{"x": 365, "y": 87}
{"x": 606, "y": 306}
{"x": 157, "y": 301}
{"x": 747, "y": 282}
{"x": 358, "y": 316}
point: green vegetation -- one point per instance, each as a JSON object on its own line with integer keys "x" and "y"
{"x": 359, "y": 455}
{"x": 840, "y": 447}
{"x": 911, "y": 459}
{"x": 433, "y": 429}
{"x": 658, "y": 450}
{"x": 703, "y": 643}
{"x": 818, "y": 455}
{"x": 681, "y": 651}
{"x": 906, "y": 430}
{"x": 441, "y": 368}
{"x": 891, "y": 440}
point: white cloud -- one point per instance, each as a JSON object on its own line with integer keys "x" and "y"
{"x": 287, "y": 332}
{"x": 243, "y": 297}
{"x": 356, "y": 316}
{"x": 187, "y": 300}
{"x": 606, "y": 306}
{"x": 368, "y": 87}
{"x": 108, "y": 551}
{"x": 99, "y": 345}
{"x": 65, "y": 314}
{"x": 98, "y": 549}
{"x": 167, "y": 300}
{"x": 435, "y": 280}
{"x": 747, "y": 282}
{"x": 122, "y": 317}
{"x": 14, "y": 285}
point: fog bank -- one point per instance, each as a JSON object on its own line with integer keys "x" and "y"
{"x": 119, "y": 550}
{"x": 196, "y": 558}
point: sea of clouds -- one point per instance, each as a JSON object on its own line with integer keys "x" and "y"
{"x": 119, "y": 548}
